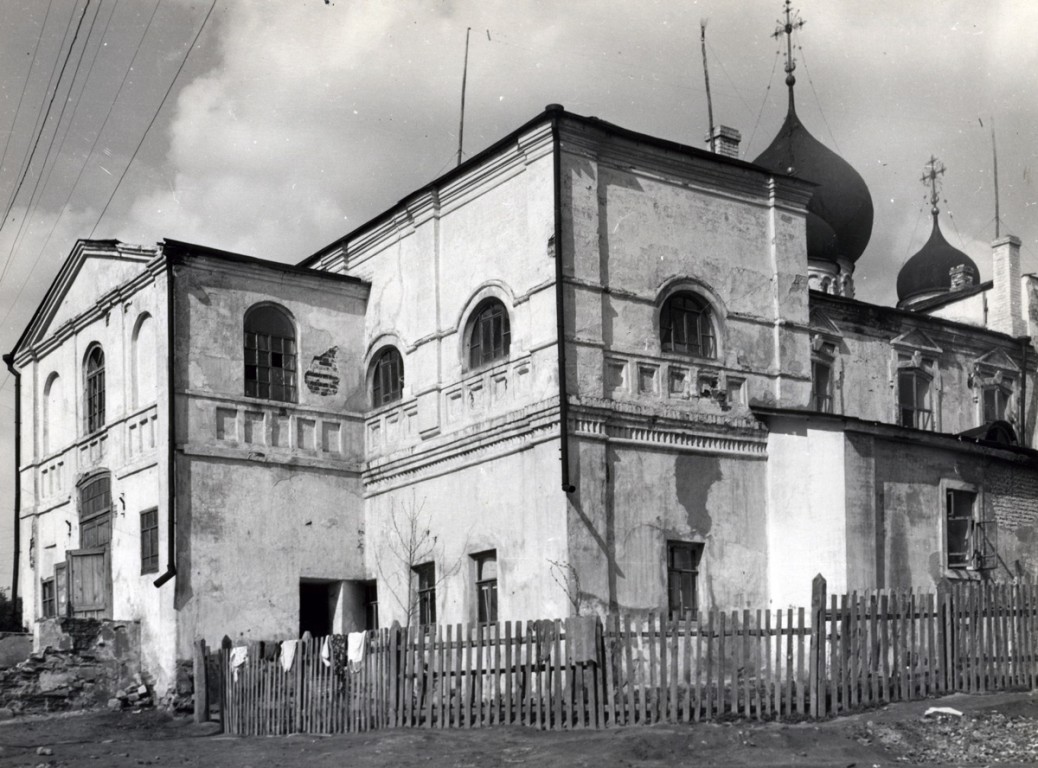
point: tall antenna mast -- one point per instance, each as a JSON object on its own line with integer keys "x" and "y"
{"x": 994, "y": 157}
{"x": 706, "y": 76}
{"x": 464, "y": 78}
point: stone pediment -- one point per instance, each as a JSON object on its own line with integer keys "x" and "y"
{"x": 916, "y": 340}
{"x": 94, "y": 269}
{"x": 823, "y": 325}
{"x": 996, "y": 359}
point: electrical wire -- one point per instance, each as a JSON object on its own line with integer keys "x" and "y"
{"x": 154, "y": 117}
{"x": 25, "y": 83}
{"x": 767, "y": 92}
{"x": 40, "y": 184}
{"x": 818, "y": 102}
{"x": 75, "y": 184}
{"x": 39, "y": 135}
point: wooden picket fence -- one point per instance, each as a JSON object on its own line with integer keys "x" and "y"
{"x": 841, "y": 655}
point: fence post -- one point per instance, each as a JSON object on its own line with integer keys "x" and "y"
{"x": 817, "y": 657}
{"x": 201, "y": 683}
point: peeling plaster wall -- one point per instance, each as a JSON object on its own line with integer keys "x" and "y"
{"x": 867, "y": 385}
{"x": 639, "y": 225}
{"x": 914, "y": 506}
{"x": 511, "y": 504}
{"x": 268, "y": 492}
{"x": 631, "y": 501}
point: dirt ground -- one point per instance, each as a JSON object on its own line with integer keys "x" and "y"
{"x": 995, "y": 729}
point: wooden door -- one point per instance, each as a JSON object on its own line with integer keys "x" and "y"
{"x": 90, "y": 583}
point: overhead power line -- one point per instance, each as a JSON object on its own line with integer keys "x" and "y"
{"x": 154, "y": 117}
{"x": 46, "y": 115}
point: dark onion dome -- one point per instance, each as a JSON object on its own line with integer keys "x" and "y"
{"x": 929, "y": 270}
{"x": 839, "y": 215}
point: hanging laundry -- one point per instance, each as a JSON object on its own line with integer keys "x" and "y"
{"x": 326, "y": 652}
{"x": 356, "y": 644}
{"x": 288, "y": 654}
{"x": 238, "y": 656}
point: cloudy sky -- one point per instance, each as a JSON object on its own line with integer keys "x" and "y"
{"x": 293, "y": 122}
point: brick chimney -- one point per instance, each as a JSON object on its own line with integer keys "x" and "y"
{"x": 725, "y": 141}
{"x": 1005, "y": 312}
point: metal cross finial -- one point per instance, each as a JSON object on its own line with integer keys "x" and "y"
{"x": 934, "y": 169}
{"x": 793, "y": 21}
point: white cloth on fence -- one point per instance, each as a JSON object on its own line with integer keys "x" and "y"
{"x": 238, "y": 656}
{"x": 288, "y": 654}
{"x": 326, "y": 652}
{"x": 356, "y": 644}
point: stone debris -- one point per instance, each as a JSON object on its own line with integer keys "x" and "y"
{"x": 981, "y": 738}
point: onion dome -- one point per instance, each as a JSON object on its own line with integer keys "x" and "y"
{"x": 929, "y": 271}
{"x": 839, "y": 214}
{"x": 938, "y": 267}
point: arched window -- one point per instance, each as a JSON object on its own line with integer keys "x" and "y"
{"x": 143, "y": 364}
{"x": 95, "y": 389}
{"x": 53, "y": 435}
{"x": 488, "y": 333}
{"x": 686, "y": 326}
{"x": 270, "y": 354}
{"x": 95, "y": 512}
{"x": 387, "y": 380}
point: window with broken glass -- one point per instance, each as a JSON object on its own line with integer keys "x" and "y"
{"x": 915, "y": 398}
{"x": 686, "y": 326}
{"x": 270, "y": 354}
{"x": 960, "y": 529}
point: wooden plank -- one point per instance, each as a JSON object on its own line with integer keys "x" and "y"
{"x": 738, "y": 660}
{"x": 769, "y": 683}
{"x": 801, "y": 677}
{"x": 628, "y": 676}
{"x": 675, "y": 669}
{"x": 777, "y": 682}
{"x": 722, "y": 662}
{"x": 611, "y": 630}
{"x": 710, "y": 673}
{"x": 756, "y": 639}
{"x": 696, "y": 712}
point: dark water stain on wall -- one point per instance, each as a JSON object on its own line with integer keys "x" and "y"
{"x": 693, "y": 477}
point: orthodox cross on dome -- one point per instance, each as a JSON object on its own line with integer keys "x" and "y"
{"x": 793, "y": 21}
{"x": 930, "y": 178}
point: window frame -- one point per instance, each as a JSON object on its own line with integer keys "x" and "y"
{"x": 386, "y": 358}
{"x": 920, "y": 374}
{"x": 707, "y": 335}
{"x": 487, "y": 607}
{"x": 150, "y": 541}
{"x": 425, "y": 593}
{"x": 967, "y": 561}
{"x": 94, "y": 389}
{"x": 263, "y": 343}
{"x": 695, "y": 552}
{"x": 483, "y": 317}
{"x": 93, "y": 519}
{"x": 48, "y": 598}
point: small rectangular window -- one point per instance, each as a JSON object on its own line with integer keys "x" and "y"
{"x": 150, "y": 541}
{"x": 821, "y": 386}
{"x": 48, "y": 598}
{"x": 682, "y": 574}
{"x": 914, "y": 401}
{"x": 426, "y": 573}
{"x": 959, "y": 528}
{"x": 486, "y": 586}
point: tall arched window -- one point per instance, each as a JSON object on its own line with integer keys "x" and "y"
{"x": 387, "y": 379}
{"x": 95, "y": 512}
{"x": 686, "y": 326}
{"x": 144, "y": 363}
{"x": 488, "y": 333}
{"x": 95, "y": 389}
{"x": 270, "y": 354}
{"x": 53, "y": 418}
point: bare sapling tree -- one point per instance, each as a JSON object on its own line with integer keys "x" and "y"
{"x": 566, "y": 576}
{"x": 409, "y": 543}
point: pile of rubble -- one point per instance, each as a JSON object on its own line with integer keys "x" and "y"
{"x": 84, "y": 664}
{"x": 133, "y": 697}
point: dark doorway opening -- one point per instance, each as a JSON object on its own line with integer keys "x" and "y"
{"x": 317, "y": 601}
